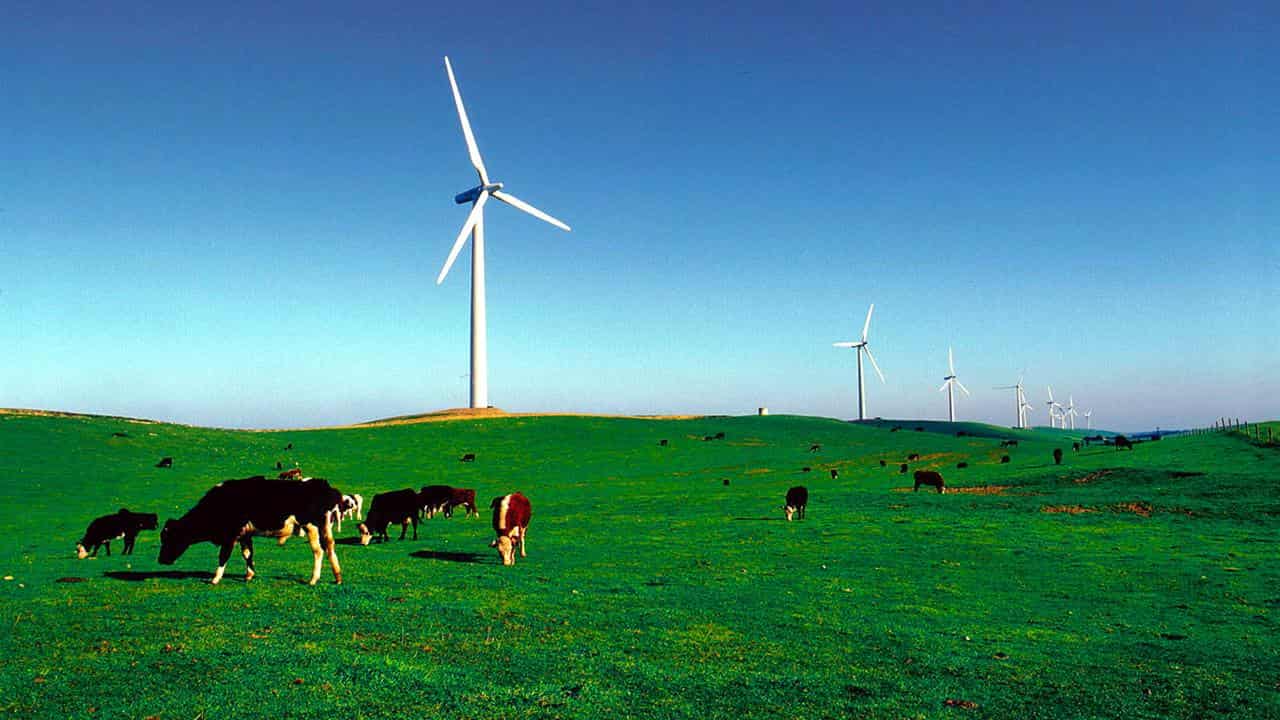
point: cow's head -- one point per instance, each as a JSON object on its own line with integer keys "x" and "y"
{"x": 365, "y": 535}
{"x": 506, "y": 549}
{"x": 788, "y": 510}
{"x": 81, "y": 552}
{"x": 174, "y": 540}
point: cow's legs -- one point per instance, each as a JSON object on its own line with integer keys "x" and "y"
{"x": 224, "y": 554}
{"x": 523, "y": 532}
{"x": 313, "y": 537}
{"x": 108, "y": 544}
{"x": 415, "y": 530}
{"x": 326, "y": 538}
{"x": 128, "y": 544}
{"x": 246, "y": 549}
{"x": 404, "y": 528}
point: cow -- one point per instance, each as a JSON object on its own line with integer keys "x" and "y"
{"x": 726, "y": 482}
{"x": 662, "y": 443}
{"x": 931, "y": 478}
{"x": 816, "y": 447}
{"x": 1004, "y": 459}
{"x": 464, "y": 497}
{"x": 349, "y": 506}
{"x": 123, "y": 524}
{"x": 1008, "y": 443}
{"x": 433, "y": 499}
{"x": 467, "y": 457}
{"x": 805, "y": 469}
{"x": 962, "y": 465}
{"x": 294, "y": 474}
{"x": 797, "y": 499}
{"x": 1075, "y": 447}
{"x": 1123, "y": 442}
{"x": 233, "y": 511}
{"x": 835, "y": 474}
{"x": 397, "y": 506}
{"x": 511, "y": 515}
{"x": 165, "y": 462}
{"x": 719, "y": 436}
{"x": 913, "y": 456}
{"x": 883, "y": 463}
{"x": 902, "y": 469}
{"x": 289, "y": 446}
{"x": 895, "y": 428}
{"x": 1057, "y": 456}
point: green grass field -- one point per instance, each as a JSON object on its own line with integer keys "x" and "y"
{"x": 653, "y": 589}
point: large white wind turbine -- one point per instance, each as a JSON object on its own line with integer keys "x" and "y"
{"x": 1070, "y": 412}
{"x": 1053, "y": 408}
{"x": 861, "y": 347}
{"x": 1088, "y": 419}
{"x": 1021, "y": 399}
{"x": 474, "y": 226}
{"x": 950, "y": 383}
{"x": 1026, "y": 412}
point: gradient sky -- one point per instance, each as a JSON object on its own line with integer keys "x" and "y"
{"x": 233, "y": 215}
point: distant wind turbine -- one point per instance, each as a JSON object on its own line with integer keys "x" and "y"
{"x": 1021, "y": 401}
{"x": 861, "y": 347}
{"x": 950, "y": 383}
{"x": 1070, "y": 413}
{"x": 474, "y": 226}
{"x": 1088, "y": 419}
{"x": 1053, "y": 407}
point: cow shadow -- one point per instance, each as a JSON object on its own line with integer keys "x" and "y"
{"x": 347, "y": 541}
{"x": 137, "y": 576}
{"x": 759, "y": 519}
{"x": 464, "y": 557}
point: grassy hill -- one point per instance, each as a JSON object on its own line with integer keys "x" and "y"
{"x": 1119, "y": 584}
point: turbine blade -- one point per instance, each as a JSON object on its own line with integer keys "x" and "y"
{"x": 1050, "y": 392}
{"x": 844, "y": 344}
{"x": 867, "y": 324}
{"x": 951, "y": 362}
{"x": 519, "y": 204}
{"x": 944, "y": 386}
{"x": 962, "y": 387}
{"x": 472, "y": 218}
{"x": 476, "y": 161}
{"x": 872, "y": 358}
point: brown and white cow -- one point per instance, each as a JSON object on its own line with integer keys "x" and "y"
{"x": 464, "y": 498}
{"x": 511, "y": 523}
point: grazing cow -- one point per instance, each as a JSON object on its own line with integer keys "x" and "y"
{"x": 1057, "y": 456}
{"x": 1123, "y": 442}
{"x": 931, "y": 478}
{"x": 1004, "y": 459}
{"x": 433, "y": 499}
{"x": 895, "y": 428}
{"x": 719, "y": 436}
{"x": 511, "y": 523}
{"x": 662, "y": 443}
{"x": 815, "y": 447}
{"x": 726, "y": 482}
{"x": 961, "y": 433}
{"x": 233, "y": 511}
{"x": 902, "y": 469}
{"x": 464, "y": 497}
{"x": 294, "y": 474}
{"x": 883, "y": 463}
{"x": 835, "y": 474}
{"x": 123, "y": 524}
{"x": 467, "y": 457}
{"x": 120, "y": 434}
{"x": 797, "y": 499}
{"x": 919, "y": 429}
{"x": 350, "y": 506}
{"x": 962, "y": 465}
{"x": 707, "y": 438}
{"x": 397, "y": 506}
{"x": 165, "y": 462}
{"x": 913, "y": 456}
{"x": 1075, "y": 447}
{"x": 805, "y": 469}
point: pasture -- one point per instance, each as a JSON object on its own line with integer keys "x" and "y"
{"x": 1142, "y": 584}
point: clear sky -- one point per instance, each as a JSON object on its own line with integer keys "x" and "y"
{"x": 233, "y": 215}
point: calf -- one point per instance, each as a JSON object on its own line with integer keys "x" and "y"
{"x": 233, "y": 511}
{"x": 350, "y": 506}
{"x": 433, "y": 499}
{"x": 511, "y": 515}
{"x": 797, "y": 499}
{"x": 464, "y": 497}
{"x": 931, "y": 478}
{"x": 123, "y": 524}
{"x": 397, "y": 506}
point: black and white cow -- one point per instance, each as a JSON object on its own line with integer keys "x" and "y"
{"x": 123, "y": 524}
{"x": 350, "y": 506}
{"x": 797, "y": 499}
{"x": 397, "y": 506}
{"x": 234, "y": 511}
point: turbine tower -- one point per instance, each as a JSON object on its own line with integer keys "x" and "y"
{"x": 861, "y": 347}
{"x": 950, "y": 383}
{"x": 1021, "y": 404}
{"x": 474, "y": 226}
{"x": 1088, "y": 419}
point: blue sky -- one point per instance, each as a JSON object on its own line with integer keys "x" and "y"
{"x": 234, "y": 216}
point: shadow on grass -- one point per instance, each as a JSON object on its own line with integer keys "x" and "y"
{"x": 766, "y": 518}
{"x": 347, "y": 541}
{"x": 133, "y": 576}
{"x": 466, "y": 557}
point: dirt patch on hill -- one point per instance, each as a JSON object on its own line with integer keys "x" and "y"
{"x": 1092, "y": 477}
{"x": 981, "y": 490}
{"x": 1068, "y": 509}
{"x": 1137, "y": 508}
{"x": 758, "y": 471}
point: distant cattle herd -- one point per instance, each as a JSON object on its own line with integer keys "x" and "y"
{"x": 232, "y": 512}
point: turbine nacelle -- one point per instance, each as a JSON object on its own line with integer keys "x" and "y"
{"x": 474, "y": 193}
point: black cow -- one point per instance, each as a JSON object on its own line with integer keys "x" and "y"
{"x": 797, "y": 499}
{"x": 233, "y": 511}
{"x": 883, "y": 463}
{"x": 815, "y": 447}
{"x": 433, "y": 499}
{"x": 962, "y": 465}
{"x": 1057, "y": 456}
{"x": 1008, "y": 443}
{"x": 835, "y": 474}
{"x": 1004, "y": 459}
{"x": 719, "y": 436}
{"x": 662, "y": 443}
{"x": 931, "y": 478}
{"x": 902, "y": 469}
{"x": 1075, "y": 447}
{"x": 123, "y": 524}
{"x": 165, "y": 462}
{"x": 468, "y": 457}
{"x": 1123, "y": 442}
{"x": 461, "y": 497}
{"x": 913, "y": 456}
{"x": 397, "y": 506}
{"x": 805, "y": 469}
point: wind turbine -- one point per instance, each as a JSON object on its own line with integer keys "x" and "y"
{"x": 1021, "y": 399}
{"x": 1070, "y": 413}
{"x": 1088, "y": 419}
{"x": 474, "y": 226}
{"x": 1026, "y": 411}
{"x": 950, "y": 383}
{"x": 1052, "y": 406}
{"x": 860, "y": 347}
